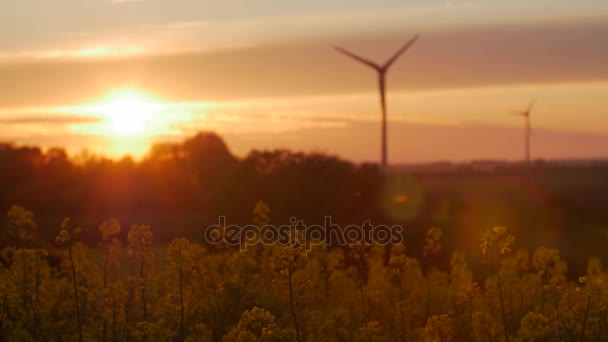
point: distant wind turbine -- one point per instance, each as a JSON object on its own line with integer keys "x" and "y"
{"x": 526, "y": 115}
{"x": 382, "y": 70}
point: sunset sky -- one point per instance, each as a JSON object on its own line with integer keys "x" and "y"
{"x": 113, "y": 76}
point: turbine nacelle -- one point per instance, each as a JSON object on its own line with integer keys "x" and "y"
{"x": 381, "y": 68}
{"x": 520, "y": 113}
{"x": 525, "y": 113}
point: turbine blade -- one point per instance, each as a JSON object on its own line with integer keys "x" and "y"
{"x": 400, "y": 52}
{"x": 358, "y": 58}
{"x": 518, "y": 112}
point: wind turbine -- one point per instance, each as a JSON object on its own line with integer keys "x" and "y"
{"x": 381, "y": 70}
{"x": 526, "y": 115}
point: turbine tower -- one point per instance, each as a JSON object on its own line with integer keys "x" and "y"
{"x": 526, "y": 115}
{"x": 381, "y": 70}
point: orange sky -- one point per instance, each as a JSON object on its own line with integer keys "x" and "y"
{"x": 266, "y": 76}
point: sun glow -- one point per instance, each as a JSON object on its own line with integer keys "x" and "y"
{"x": 129, "y": 120}
{"x": 130, "y": 113}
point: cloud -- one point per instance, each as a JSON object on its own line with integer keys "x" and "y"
{"x": 554, "y": 52}
{"x": 140, "y": 40}
{"x": 124, "y": 1}
{"x": 44, "y": 119}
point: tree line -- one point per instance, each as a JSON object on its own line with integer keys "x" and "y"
{"x": 181, "y": 188}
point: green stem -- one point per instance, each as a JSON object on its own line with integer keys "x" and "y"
{"x": 76, "y": 300}
{"x": 291, "y": 303}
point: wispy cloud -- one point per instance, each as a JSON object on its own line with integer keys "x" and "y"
{"x": 94, "y": 51}
{"x": 205, "y": 35}
{"x": 171, "y": 37}
{"x": 49, "y": 120}
{"x": 124, "y": 1}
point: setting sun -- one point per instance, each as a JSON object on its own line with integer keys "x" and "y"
{"x": 126, "y": 120}
{"x": 129, "y": 112}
